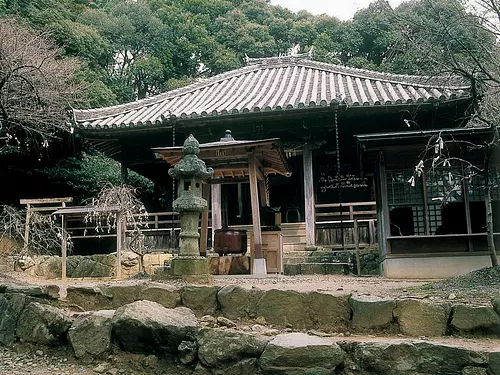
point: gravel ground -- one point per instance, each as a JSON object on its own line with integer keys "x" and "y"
{"x": 477, "y": 287}
{"x": 22, "y": 360}
{"x": 30, "y": 360}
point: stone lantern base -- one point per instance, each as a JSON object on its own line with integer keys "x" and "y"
{"x": 192, "y": 269}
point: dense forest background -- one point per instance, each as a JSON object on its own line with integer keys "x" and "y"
{"x": 129, "y": 50}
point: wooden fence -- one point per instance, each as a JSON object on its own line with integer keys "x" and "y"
{"x": 334, "y": 227}
{"x": 335, "y": 224}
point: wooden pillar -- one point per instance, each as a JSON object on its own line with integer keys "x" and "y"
{"x": 240, "y": 202}
{"x": 64, "y": 246}
{"x": 124, "y": 172}
{"x": 27, "y": 228}
{"x": 119, "y": 243}
{"x": 356, "y": 246}
{"x": 465, "y": 194}
{"x": 427, "y": 224}
{"x": 382, "y": 206}
{"x": 204, "y": 222}
{"x": 309, "y": 200}
{"x": 264, "y": 196}
{"x": 216, "y": 200}
{"x": 259, "y": 263}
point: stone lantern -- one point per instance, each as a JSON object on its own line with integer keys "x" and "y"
{"x": 190, "y": 173}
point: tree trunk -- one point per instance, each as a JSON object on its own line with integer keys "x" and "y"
{"x": 141, "y": 263}
{"x": 489, "y": 227}
{"x": 489, "y": 211}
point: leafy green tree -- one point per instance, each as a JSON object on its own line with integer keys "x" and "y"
{"x": 303, "y": 32}
{"x": 87, "y": 176}
{"x": 376, "y": 29}
{"x": 279, "y": 29}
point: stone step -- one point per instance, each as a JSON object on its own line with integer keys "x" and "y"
{"x": 294, "y": 247}
{"x": 295, "y": 257}
{"x": 317, "y": 269}
{"x": 294, "y": 239}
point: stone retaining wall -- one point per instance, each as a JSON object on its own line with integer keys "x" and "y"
{"x": 79, "y": 266}
{"x": 311, "y": 310}
{"x": 232, "y": 330}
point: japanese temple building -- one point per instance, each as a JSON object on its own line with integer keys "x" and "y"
{"x": 352, "y": 138}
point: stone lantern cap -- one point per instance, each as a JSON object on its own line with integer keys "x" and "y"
{"x": 190, "y": 165}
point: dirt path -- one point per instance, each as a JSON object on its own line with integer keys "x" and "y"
{"x": 56, "y": 361}
{"x": 331, "y": 283}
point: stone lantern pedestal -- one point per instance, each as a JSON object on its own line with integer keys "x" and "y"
{"x": 190, "y": 172}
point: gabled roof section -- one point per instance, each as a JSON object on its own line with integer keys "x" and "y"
{"x": 275, "y": 84}
{"x": 229, "y": 158}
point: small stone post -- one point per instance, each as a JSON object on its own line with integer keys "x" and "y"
{"x": 190, "y": 171}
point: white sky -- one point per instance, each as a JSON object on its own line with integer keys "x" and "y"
{"x": 342, "y": 9}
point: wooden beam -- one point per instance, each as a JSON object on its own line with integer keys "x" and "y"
{"x": 46, "y": 200}
{"x": 309, "y": 199}
{"x": 204, "y": 222}
{"x": 254, "y": 196}
{"x": 223, "y": 181}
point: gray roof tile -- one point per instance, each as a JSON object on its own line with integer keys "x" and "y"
{"x": 275, "y": 84}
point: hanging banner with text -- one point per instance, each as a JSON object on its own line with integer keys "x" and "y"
{"x": 348, "y": 181}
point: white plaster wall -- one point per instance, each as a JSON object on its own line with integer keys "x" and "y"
{"x": 432, "y": 267}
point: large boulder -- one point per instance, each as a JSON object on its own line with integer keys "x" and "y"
{"x": 166, "y": 295}
{"x": 247, "y": 366}
{"x": 410, "y": 357}
{"x": 43, "y": 324}
{"x": 201, "y": 299}
{"x": 48, "y": 266}
{"x": 495, "y": 301}
{"x": 422, "y": 318}
{"x": 123, "y": 293}
{"x": 284, "y": 308}
{"x": 90, "y": 333}
{"x": 371, "y": 312}
{"x": 94, "y": 266}
{"x": 37, "y": 291}
{"x": 219, "y": 348}
{"x": 298, "y": 353}
{"x": 494, "y": 363}
{"x": 188, "y": 352}
{"x": 88, "y": 298}
{"x": 148, "y": 327}
{"x": 329, "y": 312}
{"x": 469, "y": 318}
{"x": 473, "y": 370}
{"x": 237, "y": 302}
{"x": 11, "y": 305}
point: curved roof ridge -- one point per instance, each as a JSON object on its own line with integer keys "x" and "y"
{"x": 405, "y": 79}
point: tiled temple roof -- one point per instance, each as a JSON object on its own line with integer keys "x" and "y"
{"x": 275, "y": 84}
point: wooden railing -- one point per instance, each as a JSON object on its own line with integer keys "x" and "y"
{"x": 337, "y": 212}
{"x": 346, "y": 225}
